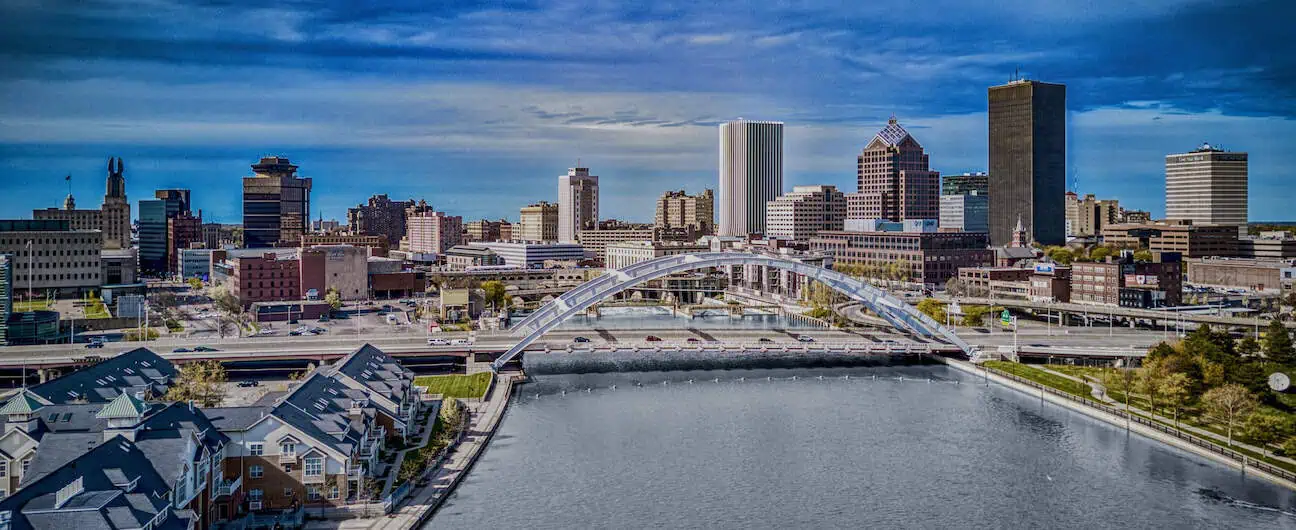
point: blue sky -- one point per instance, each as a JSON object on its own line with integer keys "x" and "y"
{"x": 478, "y": 106}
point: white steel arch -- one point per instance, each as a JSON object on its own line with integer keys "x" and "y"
{"x": 889, "y": 307}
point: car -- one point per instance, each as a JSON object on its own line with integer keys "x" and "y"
{"x": 294, "y": 333}
{"x": 652, "y": 338}
{"x": 692, "y": 339}
{"x": 580, "y": 339}
{"x": 461, "y": 342}
{"x": 266, "y": 331}
{"x": 181, "y": 350}
{"x": 322, "y": 318}
{"x": 204, "y": 348}
{"x": 765, "y": 339}
{"x": 318, "y": 330}
{"x": 247, "y": 384}
{"x": 805, "y": 338}
{"x": 94, "y": 344}
{"x": 435, "y": 341}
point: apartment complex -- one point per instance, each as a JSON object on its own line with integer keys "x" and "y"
{"x": 751, "y": 174}
{"x": 676, "y": 209}
{"x": 1191, "y": 241}
{"x": 805, "y": 211}
{"x": 894, "y": 180}
{"x": 1027, "y": 138}
{"x": 1207, "y": 186}
{"x": 538, "y": 222}
{"x": 379, "y": 216}
{"x": 433, "y": 232}
{"x": 47, "y": 256}
{"x": 578, "y": 203}
{"x": 276, "y": 204}
{"x": 1088, "y": 216}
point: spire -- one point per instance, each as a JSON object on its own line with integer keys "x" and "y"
{"x": 1019, "y": 227}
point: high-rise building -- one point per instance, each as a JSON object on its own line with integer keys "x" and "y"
{"x": 675, "y": 209}
{"x": 1028, "y": 160}
{"x": 894, "y": 182}
{"x": 155, "y": 252}
{"x": 751, "y": 174}
{"x": 276, "y": 204}
{"x": 804, "y": 212}
{"x": 433, "y": 232}
{"x": 380, "y": 216}
{"x": 487, "y": 230}
{"x": 1207, "y": 186}
{"x": 538, "y": 222}
{"x": 578, "y": 203}
{"x": 116, "y": 210}
{"x": 1086, "y": 217}
{"x": 965, "y": 212}
{"x": 183, "y": 230}
{"x": 50, "y": 258}
{"x": 965, "y": 183}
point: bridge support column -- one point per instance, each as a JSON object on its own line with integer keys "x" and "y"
{"x": 47, "y": 374}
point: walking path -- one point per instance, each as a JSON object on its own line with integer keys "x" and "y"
{"x": 400, "y": 457}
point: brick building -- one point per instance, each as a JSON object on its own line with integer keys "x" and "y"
{"x": 266, "y": 278}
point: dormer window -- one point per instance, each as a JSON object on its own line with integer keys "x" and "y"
{"x": 287, "y": 449}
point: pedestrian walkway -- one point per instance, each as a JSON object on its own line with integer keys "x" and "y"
{"x": 400, "y": 457}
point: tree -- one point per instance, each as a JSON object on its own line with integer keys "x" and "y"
{"x": 1264, "y": 429}
{"x": 1229, "y": 404}
{"x": 194, "y": 283}
{"x": 223, "y": 298}
{"x": 1248, "y": 347}
{"x": 1278, "y": 343}
{"x": 1175, "y": 390}
{"x": 956, "y": 287}
{"x": 496, "y": 292}
{"x": 1060, "y": 255}
{"x": 1101, "y": 253}
{"x": 333, "y": 298}
{"x": 932, "y": 308}
{"x": 202, "y": 382}
{"x": 1151, "y": 377}
{"x": 1143, "y": 255}
{"x": 1122, "y": 380}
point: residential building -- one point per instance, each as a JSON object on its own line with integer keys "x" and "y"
{"x": 484, "y": 230}
{"x": 1257, "y": 275}
{"x": 1086, "y": 217}
{"x": 1207, "y": 186}
{"x": 379, "y": 216}
{"x": 195, "y": 263}
{"x": 268, "y": 277}
{"x": 1268, "y": 245}
{"x": 928, "y": 258}
{"x": 377, "y": 244}
{"x": 968, "y": 212}
{"x": 139, "y": 372}
{"x": 341, "y": 267}
{"x": 183, "y": 232}
{"x": 1192, "y": 241}
{"x": 751, "y": 174}
{"x": 676, "y": 209}
{"x": 433, "y": 232}
{"x": 966, "y": 183}
{"x": 59, "y": 260}
{"x": 532, "y": 254}
{"x": 538, "y": 222}
{"x": 578, "y": 203}
{"x": 464, "y": 257}
{"x": 625, "y": 253}
{"x": 1124, "y": 281}
{"x": 1027, "y": 138}
{"x": 116, "y": 209}
{"x": 805, "y": 211}
{"x": 893, "y": 178}
{"x": 276, "y": 204}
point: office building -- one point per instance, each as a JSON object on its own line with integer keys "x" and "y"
{"x": 61, "y": 261}
{"x": 195, "y": 263}
{"x": 116, "y": 209}
{"x": 597, "y": 241}
{"x": 377, "y": 244}
{"x": 270, "y": 276}
{"x": 538, "y": 222}
{"x": 968, "y": 212}
{"x": 6, "y": 296}
{"x": 966, "y": 183}
{"x": 120, "y": 266}
{"x": 379, "y": 216}
{"x": 1086, "y": 217}
{"x": 578, "y": 203}
{"x": 1270, "y": 276}
{"x": 155, "y": 256}
{"x": 433, "y": 232}
{"x": 804, "y": 212}
{"x": 341, "y": 267}
{"x": 1207, "y": 186}
{"x": 1192, "y": 241}
{"x": 922, "y": 257}
{"x": 627, "y": 253}
{"x": 1268, "y": 245}
{"x": 464, "y": 257}
{"x": 325, "y": 226}
{"x": 676, "y": 209}
{"x": 751, "y": 174}
{"x": 1126, "y": 282}
{"x": 183, "y": 231}
{"x": 217, "y": 235}
{"x": 77, "y": 219}
{"x": 485, "y": 230}
{"x": 1027, "y": 137}
{"x": 532, "y": 254}
{"x": 893, "y": 179}
{"x": 276, "y": 204}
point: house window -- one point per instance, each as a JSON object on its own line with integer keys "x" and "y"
{"x": 288, "y": 492}
{"x": 287, "y": 449}
{"x": 334, "y": 492}
{"x": 314, "y": 467}
{"x": 4, "y": 468}
{"x": 288, "y": 468}
{"x": 254, "y": 495}
{"x": 313, "y": 493}
{"x": 26, "y": 464}
{"x": 256, "y": 471}
{"x": 256, "y": 449}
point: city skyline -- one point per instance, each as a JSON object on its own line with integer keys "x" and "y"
{"x": 434, "y": 107}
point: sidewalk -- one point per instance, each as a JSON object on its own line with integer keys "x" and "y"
{"x": 400, "y": 457}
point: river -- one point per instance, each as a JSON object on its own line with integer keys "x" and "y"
{"x": 837, "y": 452}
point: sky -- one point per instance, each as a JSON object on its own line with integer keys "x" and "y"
{"x": 478, "y": 106}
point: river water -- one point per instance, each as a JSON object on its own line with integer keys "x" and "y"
{"x": 747, "y": 452}
{"x": 644, "y": 318}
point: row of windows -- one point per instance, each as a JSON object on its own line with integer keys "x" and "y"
{"x": 57, "y": 277}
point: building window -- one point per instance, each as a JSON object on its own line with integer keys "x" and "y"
{"x": 313, "y": 493}
{"x": 256, "y": 471}
{"x": 4, "y": 468}
{"x": 256, "y": 449}
{"x": 288, "y": 492}
{"x": 287, "y": 449}
{"x": 254, "y": 495}
{"x": 288, "y": 468}
{"x": 314, "y": 467}
{"x": 26, "y": 464}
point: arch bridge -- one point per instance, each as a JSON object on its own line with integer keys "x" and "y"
{"x": 573, "y": 302}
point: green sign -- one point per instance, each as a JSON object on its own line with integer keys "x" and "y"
{"x": 1005, "y": 317}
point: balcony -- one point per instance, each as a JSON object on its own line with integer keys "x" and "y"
{"x": 288, "y": 458}
{"x": 356, "y": 472}
{"x": 229, "y": 487}
{"x": 313, "y": 479}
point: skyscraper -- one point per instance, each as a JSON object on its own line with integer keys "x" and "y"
{"x": 751, "y": 174}
{"x": 578, "y": 203}
{"x": 276, "y": 204}
{"x": 1028, "y": 160}
{"x": 966, "y": 183}
{"x": 116, "y": 210}
{"x": 380, "y": 216}
{"x": 893, "y": 180}
{"x": 155, "y": 243}
{"x": 1207, "y": 186}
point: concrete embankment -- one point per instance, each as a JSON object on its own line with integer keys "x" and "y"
{"x": 646, "y": 360}
{"x": 1183, "y": 442}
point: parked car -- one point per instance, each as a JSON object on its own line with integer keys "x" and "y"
{"x": 322, "y": 318}
{"x": 805, "y": 338}
{"x": 318, "y": 330}
{"x": 652, "y": 338}
{"x": 247, "y": 384}
{"x": 294, "y": 333}
{"x": 94, "y": 344}
{"x": 580, "y": 339}
{"x": 181, "y": 350}
{"x": 436, "y": 341}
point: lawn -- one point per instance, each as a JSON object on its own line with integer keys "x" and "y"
{"x": 95, "y": 309}
{"x": 456, "y": 386}
{"x": 30, "y": 305}
{"x": 1042, "y": 377}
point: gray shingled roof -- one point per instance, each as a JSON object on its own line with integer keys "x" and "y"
{"x": 378, "y": 371}
{"x": 236, "y": 418}
{"x": 136, "y": 370}
{"x": 320, "y": 408}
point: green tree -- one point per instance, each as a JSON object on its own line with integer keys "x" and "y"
{"x": 1101, "y": 253}
{"x": 1061, "y": 255}
{"x": 223, "y": 298}
{"x": 1151, "y": 378}
{"x": 1229, "y": 405}
{"x": 194, "y": 283}
{"x": 496, "y": 292}
{"x": 202, "y": 382}
{"x": 1176, "y": 389}
{"x": 1248, "y": 347}
{"x": 333, "y": 298}
{"x": 1264, "y": 429}
{"x": 1143, "y": 255}
{"x": 1278, "y": 343}
{"x": 1123, "y": 381}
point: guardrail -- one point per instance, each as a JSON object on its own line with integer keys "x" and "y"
{"x": 828, "y": 347}
{"x": 1198, "y": 441}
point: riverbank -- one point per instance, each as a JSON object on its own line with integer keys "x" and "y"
{"x": 1134, "y": 424}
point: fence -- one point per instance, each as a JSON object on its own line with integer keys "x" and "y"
{"x": 1198, "y": 441}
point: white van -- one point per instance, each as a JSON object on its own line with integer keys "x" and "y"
{"x": 436, "y": 341}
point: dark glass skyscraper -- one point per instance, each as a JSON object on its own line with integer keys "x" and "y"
{"x": 276, "y": 204}
{"x": 1028, "y": 161}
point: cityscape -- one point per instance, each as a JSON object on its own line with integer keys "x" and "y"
{"x": 279, "y": 349}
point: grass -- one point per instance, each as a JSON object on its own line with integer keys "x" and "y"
{"x": 456, "y": 386}
{"x": 1042, "y": 377}
{"x": 30, "y": 305}
{"x": 95, "y": 309}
